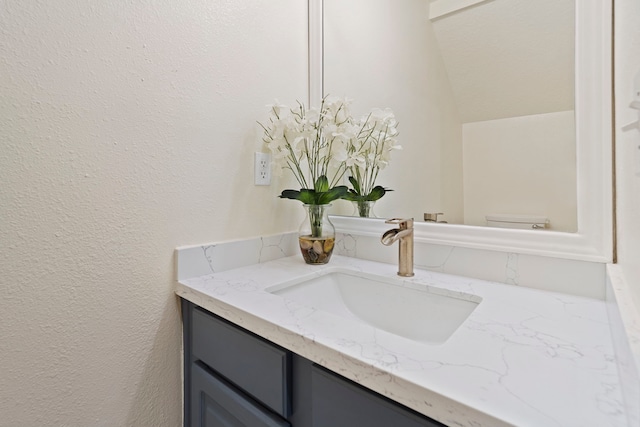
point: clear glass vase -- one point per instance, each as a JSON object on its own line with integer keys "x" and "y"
{"x": 316, "y": 235}
{"x": 363, "y": 208}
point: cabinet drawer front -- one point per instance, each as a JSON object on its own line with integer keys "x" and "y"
{"x": 216, "y": 403}
{"x": 254, "y": 365}
{"x": 337, "y": 402}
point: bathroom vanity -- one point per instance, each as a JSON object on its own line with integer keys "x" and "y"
{"x": 521, "y": 357}
{"x": 233, "y": 375}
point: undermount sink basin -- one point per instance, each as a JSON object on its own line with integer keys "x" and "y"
{"x": 417, "y": 314}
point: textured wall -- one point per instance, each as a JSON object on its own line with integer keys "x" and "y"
{"x": 627, "y": 68}
{"x": 126, "y": 129}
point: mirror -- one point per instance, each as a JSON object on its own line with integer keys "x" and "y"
{"x": 382, "y": 46}
{"x": 484, "y": 96}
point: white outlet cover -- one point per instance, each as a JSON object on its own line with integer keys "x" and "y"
{"x": 262, "y": 168}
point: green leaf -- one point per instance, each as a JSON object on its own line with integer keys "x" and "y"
{"x": 290, "y": 194}
{"x": 355, "y": 183}
{"x": 308, "y": 196}
{"x": 352, "y": 196}
{"x": 312, "y": 197}
{"x": 322, "y": 184}
{"x": 377, "y": 193}
{"x": 333, "y": 194}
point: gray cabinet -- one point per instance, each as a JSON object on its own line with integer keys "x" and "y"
{"x": 254, "y": 365}
{"x": 215, "y": 402}
{"x": 234, "y": 378}
{"x": 337, "y": 402}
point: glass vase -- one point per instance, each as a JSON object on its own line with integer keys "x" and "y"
{"x": 363, "y": 208}
{"x": 316, "y": 235}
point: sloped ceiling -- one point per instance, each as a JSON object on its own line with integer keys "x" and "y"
{"x": 508, "y": 58}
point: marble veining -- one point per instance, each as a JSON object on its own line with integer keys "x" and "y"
{"x": 560, "y": 275}
{"x": 625, "y": 330}
{"x": 524, "y": 357}
{"x": 511, "y": 275}
{"x": 194, "y": 261}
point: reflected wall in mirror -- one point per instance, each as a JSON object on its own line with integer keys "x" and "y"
{"x": 484, "y": 96}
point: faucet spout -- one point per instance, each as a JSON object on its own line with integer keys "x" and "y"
{"x": 404, "y": 236}
{"x": 393, "y": 235}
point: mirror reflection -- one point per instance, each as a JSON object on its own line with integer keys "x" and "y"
{"x": 484, "y": 97}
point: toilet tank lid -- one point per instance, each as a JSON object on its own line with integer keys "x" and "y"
{"x": 528, "y": 219}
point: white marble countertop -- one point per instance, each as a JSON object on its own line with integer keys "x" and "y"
{"x": 524, "y": 357}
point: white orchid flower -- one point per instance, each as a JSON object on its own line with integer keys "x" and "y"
{"x": 329, "y": 142}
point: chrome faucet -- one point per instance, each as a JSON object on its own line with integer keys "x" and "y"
{"x": 404, "y": 233}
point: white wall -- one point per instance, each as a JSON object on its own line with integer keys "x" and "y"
{"x": 627, "y": 65}
{"x": 382, "y": 55}
{"x": 127, "y": 129}
{"x": 521, "y": 165}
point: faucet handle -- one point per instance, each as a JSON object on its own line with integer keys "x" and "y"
{"x": 402, "y": 222}
{"x": 432, "y": 216}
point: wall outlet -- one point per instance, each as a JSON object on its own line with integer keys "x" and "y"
{"x": 262, "y": 174}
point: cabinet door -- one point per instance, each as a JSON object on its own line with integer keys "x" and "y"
{"x": 337, "y": 402}
{"x": 215, "y": 403}
{"x": 256, "y": 366}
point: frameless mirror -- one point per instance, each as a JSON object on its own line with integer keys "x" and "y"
{"x": 485, "y": 99}
{"x": 503, "y": 108}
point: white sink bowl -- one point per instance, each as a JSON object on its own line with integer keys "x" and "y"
{"x": 419, "y": 313}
